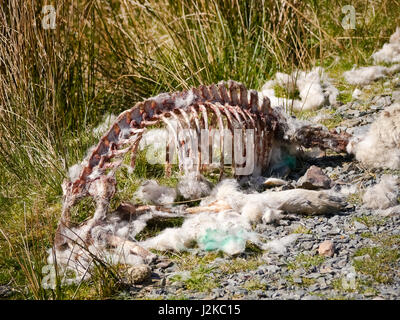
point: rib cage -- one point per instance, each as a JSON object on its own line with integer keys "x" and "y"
{"x": 227, "y": 105}
{"x": 219, "y": 100}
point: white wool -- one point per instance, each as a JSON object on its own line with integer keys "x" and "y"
{"x": 129, "y": 229}
{"x": 151, "y": 192}
{"x": 315, "y": 89}
{"x": 75, "y": 262}
{"x": 332, "y": 92}
{"x": 227, "y": 230}
{"x": 120, "y": 255}
{"x": 187, "y": 101}
{"x": 196, "y": 227}
{"x": 389, "y": 212}
{"x": 74, "y": 172}
{"x": 107, "y": 121}
{"x": 268, "y": 91}
{"x": 272, "y": 215}
{"x": 160, "y": 98}
{"x": 193, "y": 186}
{"x": 95, "y": 174}
{"x": 357, "y": 94}
{"x": 395, "y": 37}
{"x": 310, "y": 88}
{"x": 156, "y": 138}
{"x": 125, "y": 133}
{"x": 390, "y": 52}
{"x": 312, "y": 96}
{"x": 300, "y": 201}
{"x": 286, "y": 81}
{"x": 394, "y": 69}
{"x": 380, "y": 146}
{"x": 366, "y": 75}
{"x": 382, "y": 195}
{"x": 274, "y": 182}
{"x": 280, "y": 245}
{"x": 347, "y": 190}
{"x": 252, "y": 211}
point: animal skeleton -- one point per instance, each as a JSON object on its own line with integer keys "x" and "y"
{"x": 226, "y": 105}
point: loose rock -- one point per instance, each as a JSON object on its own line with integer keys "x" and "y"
{"x": 326, "y": 248}
{"x": 138, "y": 274}
{"x": 314, "y": 178}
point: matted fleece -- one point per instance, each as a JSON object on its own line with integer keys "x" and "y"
{"x": 366, "y": 75}
{"x": 383, "y": 196}
{"x": 315, "y": 89}
{"x": 380, "y": 146}
{"x": 389, "y": 54}
{"x": 223, "y": 221}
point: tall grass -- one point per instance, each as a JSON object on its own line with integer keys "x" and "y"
{"x": 103, "y": 56}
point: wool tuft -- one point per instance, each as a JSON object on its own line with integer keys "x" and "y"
{"x": 382, "y": 195}
{"x": 380, "y": 146}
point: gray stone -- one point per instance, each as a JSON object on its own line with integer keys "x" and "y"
{"x": 314, "y": 178}
{"x": 396, "y": 95}
{"x": 314, "y": 287}
{"x": 314, "y": 275}
{"x": 363, "y": 257}
{"x": 342, "y": 263}
{"x": 171, "y": 268}
{"x": 297, "y": 280}
{"x": 164, "y": 264}
{"x": 322, "y": 283}
{"x": 310, "y": 297}
{"x": 273, "y": 268}
{"x": 5, "y": 291}
{"x": 359, "y": 226}
{"x": 307, "y": 245}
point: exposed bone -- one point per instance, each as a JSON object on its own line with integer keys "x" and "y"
{"x": 235, "y": 105}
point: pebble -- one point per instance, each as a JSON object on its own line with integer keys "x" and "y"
{"x": 326, "y": 248}
{"x": 359, "y": 226}
{"x": 5, "y": 291}
{"x": 314, "y": 178}
{"x": 138, "y": 274}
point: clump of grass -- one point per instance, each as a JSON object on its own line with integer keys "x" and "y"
{"x": 240, "y": 265}
{"x": 253, "y": 249}
{"x": 370, "y": 221}
{"x": 333, "y": 122}
{"x": 285, "y": 93}
{"x": 337, "y": 285}
{"x": 306, "y": 261}
{"x": 199, "y": 280}
{"x": 305, "y": 282}
{"x": 302, "y": 229}
{"x": 381, "y": 265}
{"x": 361, "y": 286}
{"x": 355, "y": 199}
{"x": 345, "y": 96}
{"x": 253, "y": 285}
{"x": 187, "y": 261}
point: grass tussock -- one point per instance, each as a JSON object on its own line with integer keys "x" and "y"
{"x": 102, "y": 57}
